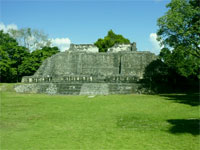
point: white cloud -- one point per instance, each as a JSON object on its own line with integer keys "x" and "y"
{"x": 5, "y": 28}
{"x": 62, "y": 43}
{"x": 156, "y": 45}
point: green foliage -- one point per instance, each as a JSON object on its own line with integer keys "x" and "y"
{"x": 16, "y": 61}
{"x": 179, "y": 27}
{"x": 12, "y": 56}
{"x": 164, "y": 77}
{"x": 179, "y": 31}
{"x": 35, "y": 59}
{"x": 6, "y": 71}
{"x": 157, "y": 77}
{"x": 183, "y": 62}
{"x": 110, "y": 40}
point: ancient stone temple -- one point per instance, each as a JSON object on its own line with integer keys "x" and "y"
{"x": 82, "y": 70}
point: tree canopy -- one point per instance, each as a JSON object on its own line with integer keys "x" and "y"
{"x": 179, "y": 27}
{"x": 17, "y": 61}
{"x": 110, "y": 40}
{"x": 12, "y": 56}
{"x": 177, "y": 67}
{"x": 179, "y": 32}
{"x": 31, "y": 63}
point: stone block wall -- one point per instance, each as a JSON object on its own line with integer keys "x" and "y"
{"x": 101, "y": 64}
{"x": 123, "y": 48}
{"x": 81, "y": 79}
{"x": 79, "y": 88}
{"x": 83, "y": 48}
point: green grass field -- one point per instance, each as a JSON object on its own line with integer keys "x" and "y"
{"x": 138, "y": 122}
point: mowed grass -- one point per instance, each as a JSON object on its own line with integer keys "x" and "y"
{"x": 138, "y": 122}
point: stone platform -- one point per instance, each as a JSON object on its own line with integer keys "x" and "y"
{"x": 82, "y": 70}
{"x": 78, "y": 88}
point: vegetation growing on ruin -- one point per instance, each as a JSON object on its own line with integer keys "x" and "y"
{"x": 110, "y": 40}
{"x": 178, "y": 63}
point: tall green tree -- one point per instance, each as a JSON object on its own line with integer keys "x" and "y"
{"x": 7, "y": 73}
{"x": 110, "y": 40}
{"x": 30, "y": 64}
{"x": 180, "y": 26}
{"x": 179, "y": 30}
{"x": 11, "y": 56}
{"x": 17, "y": 61}
{"x": 177, "y": 68}
{"x": 180, "y": 60}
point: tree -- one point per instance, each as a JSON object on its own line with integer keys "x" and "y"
{"x": 30, "y": 64}
{"x": 12, "y": 56}
{"x": 110, "y": 40}
{"x": 162, "y": 77}
{"x": 180, "y": 60}
{"x": 30, "y": 38}
{"x": 179, "y": 31}
{"x": 17, "y": 61}
{"x": 179, "y": 27}
{"x": 6, "y": 71}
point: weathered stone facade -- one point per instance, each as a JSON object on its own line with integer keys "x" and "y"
{"x": 83, "y": 70}
{"x": 123, "y": 48}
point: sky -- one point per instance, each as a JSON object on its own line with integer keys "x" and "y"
{"x": 84, "y": 21}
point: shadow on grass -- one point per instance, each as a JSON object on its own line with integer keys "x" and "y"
{"x": 140, "y": 123}
{"x": 191, "y": 126}
{"x": 190, "y": 99}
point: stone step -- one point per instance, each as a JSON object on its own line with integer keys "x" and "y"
{"x": 94, "y": 89}
{"x": 78, "y": 89}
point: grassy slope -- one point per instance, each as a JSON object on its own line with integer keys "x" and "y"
{"x": 140, "y": 122}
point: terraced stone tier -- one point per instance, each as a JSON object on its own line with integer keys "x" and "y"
{"x": 79, "y": 88}
{"x": 95, "y": 64}
{"x": 81, "y": 79}
{"x": 82, "y": 70}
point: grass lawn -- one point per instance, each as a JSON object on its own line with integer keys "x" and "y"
{"x": 138, "y": 122}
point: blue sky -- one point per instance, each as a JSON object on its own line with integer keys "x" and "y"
{"x": 84, "y": 21}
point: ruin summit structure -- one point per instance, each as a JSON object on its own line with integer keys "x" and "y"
{"x": 82, "y": 70}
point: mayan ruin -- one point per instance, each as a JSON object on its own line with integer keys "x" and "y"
{"x": 82, "y": 70}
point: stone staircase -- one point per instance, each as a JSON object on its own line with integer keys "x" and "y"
{"x": 69, "y": 89}
{"x": 79, "y": 88}
{"x": 94, "y": 89}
